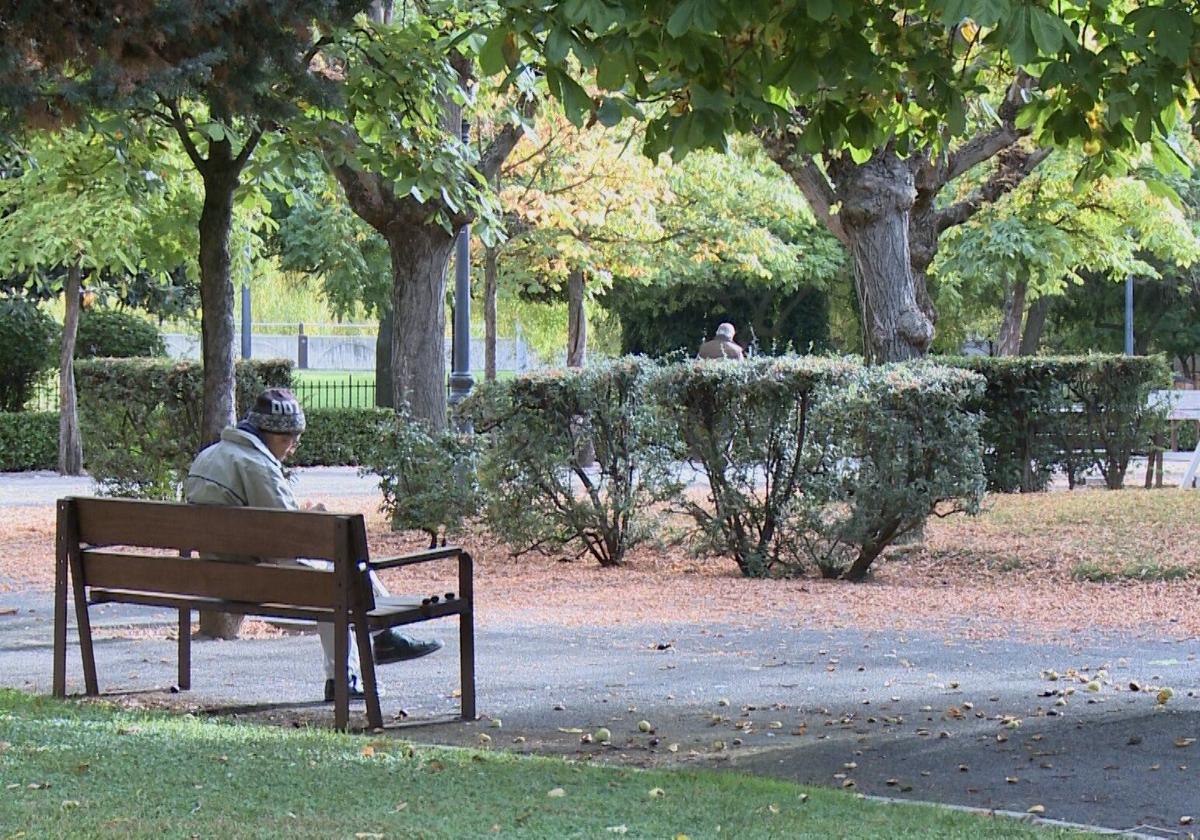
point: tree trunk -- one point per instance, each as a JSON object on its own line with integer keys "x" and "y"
{"x": 216, "y": 292}
{"x": 383, "y": 361}
{"x": 490, "y": 282}
{"x": 576, "y": 321}
{"x": 420, "y": 257}
{"x": 216, "y": 325}
{"x": 1008, "y": 342}
{"x": 70, "y": 445}
{"x": 1035, "y": 323}
{"x": 876, "y": 199}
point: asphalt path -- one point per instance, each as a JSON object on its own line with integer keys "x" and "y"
{"x": 1003, "y": 724}
{"x": 942, "y": 718}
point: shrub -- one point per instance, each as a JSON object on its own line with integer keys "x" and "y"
{"x": 27, "y": 345}
{"x": 747, "y": 425}
{"x": 1115, "y": 417}
{"x": 538, "y": 487}
{"x": 428, "y": 478}
{"x": 894, "y": 444}
{"x": 28, "y": 440}
{"x": 115, "y": 334}
{"x": 338, "y": 437}
{"x": 1069, "y": 412}
{"x": 140, "y": 419}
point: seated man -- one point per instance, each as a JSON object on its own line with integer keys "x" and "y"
{"x": 721, "y": 346}
{"x": 246, "y": 468}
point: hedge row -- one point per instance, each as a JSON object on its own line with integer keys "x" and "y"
{"x": 808, "y": 460}
{"x": 1068, "y": 413}
{"x": 28, "y": 440}
{"x": 140, "y": 418}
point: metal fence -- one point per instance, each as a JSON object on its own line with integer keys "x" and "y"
{"x": 344, "y": 391}
{"x": 325, "y": 391}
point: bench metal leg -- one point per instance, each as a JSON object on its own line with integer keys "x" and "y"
{"x": 60, "y": 610}
{"x": 466, "y": 662}
{"x": 84, "y": 624}
{"x": 341, "y": 687}
{"x": 366, "y": 665}
{"x": 185, "y": 650}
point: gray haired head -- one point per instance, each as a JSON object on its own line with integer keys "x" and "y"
{"x": 725, "y": 331}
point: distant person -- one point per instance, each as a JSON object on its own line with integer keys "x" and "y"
{"x": 721, "y": 346}
{"x": 245, "y": 468}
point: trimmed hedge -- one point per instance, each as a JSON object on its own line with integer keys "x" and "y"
{"x": 1072, "y": 413}
{"x": 113, "y": 333}
{"x": 576, "y": 458}
{"x": 140, "y": 419}
{"x": 27, "y": 347}
{"x": 822, "y": 461}
{"x": 28, "y": 440}
{"x": 340, "y": 436}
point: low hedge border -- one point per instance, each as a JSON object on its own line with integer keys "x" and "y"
{"x": 28, "y": 440}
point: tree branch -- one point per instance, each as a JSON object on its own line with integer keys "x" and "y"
{"x": 181, "y": 128}
{"x": 1013, "y": 168}
{"x": 809, "y": 178}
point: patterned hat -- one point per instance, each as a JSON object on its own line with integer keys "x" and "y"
{"x": 276, "y": 410}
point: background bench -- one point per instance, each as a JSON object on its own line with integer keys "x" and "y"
{"x": 136, "y": 552}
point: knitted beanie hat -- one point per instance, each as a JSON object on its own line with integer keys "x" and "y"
{"x": 276, "y": 410}
{"x": 725, "y": 331}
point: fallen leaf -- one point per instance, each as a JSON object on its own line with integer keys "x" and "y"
{"x": 1164, "y": 694}
{"x": 556, "y": 793}
{"x": 618, "y": 829}
{"x": 1184, "y": 742}
{"x": 1037, "y": 809}
{"x": 657, "y": 793}
{"x": 773, "y": 808}
{"x": 367, "y": 751}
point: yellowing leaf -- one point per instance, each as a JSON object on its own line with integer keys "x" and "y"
{"x": 556, "y": 793}
{"x": 1037, "y": 809}
{"x": 657, "y": 793}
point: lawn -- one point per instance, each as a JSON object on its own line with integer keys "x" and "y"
{"x": 74, "y": 770}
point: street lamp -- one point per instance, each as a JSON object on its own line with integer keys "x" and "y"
{"x": 461, "y": 380}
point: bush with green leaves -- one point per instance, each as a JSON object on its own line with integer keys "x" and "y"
{"x": 337, "y": 437}
{"x": 885, "y": 449}
{"x": 541, "y": 492}
{"x": 428, "y": 478}
{"x": 116, "y": 334}
{"x": 28, "y": 440}
{"x": 27, "y": 347}
{"x": 1072, "y": 413}
{"x": 1113, "y": 416}
{"x": 140, "y": 419}
{"x": 747, "y": 424}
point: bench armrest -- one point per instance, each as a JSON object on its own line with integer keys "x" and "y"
{"x": 417, "y": 557}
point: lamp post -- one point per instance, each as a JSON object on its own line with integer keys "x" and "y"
{"x": 461, "y": 380}
{"x": 1129, "y": 316}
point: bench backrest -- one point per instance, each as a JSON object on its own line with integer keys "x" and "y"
{"x": 108, "y": 538}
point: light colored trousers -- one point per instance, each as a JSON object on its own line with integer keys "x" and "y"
{"x": 325, "y": 628}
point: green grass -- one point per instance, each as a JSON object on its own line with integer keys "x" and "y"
{"x": 84, "y": 770}
{"x": 1097, "y": 573}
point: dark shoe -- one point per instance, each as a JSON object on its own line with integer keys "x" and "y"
{"x": 355, "y": 689}
{"x": 393, "y": 646}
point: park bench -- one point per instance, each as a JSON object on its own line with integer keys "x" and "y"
{"x": 138, "y": 552}
{"x": 1181, "y": 406}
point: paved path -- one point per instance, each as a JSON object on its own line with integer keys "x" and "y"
{"x": 911, "y": 716}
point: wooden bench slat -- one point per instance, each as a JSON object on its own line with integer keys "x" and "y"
{"x": 119, "y": 596}
{"x": 217, "y": 579}
{"x": 209, "y": 529}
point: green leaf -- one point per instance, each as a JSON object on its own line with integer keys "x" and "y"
{"x": 1047, "y": 31}
{"x": 491, "y": 57}
{"x": 820, "y": 9}
{"x": 613, "y": 70}
{"x": 1021, "y": 45}
{"x": 681, "y": 19}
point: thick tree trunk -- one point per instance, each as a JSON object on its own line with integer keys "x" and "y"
{"x": 420, "y": 257}
{"x": 876, "y": 199}
{"x": 216, "y": 292}
{"x": 1035, "y": 323}
{"x": 216, "y": 325}
{"x": 383, "y": 361}
{"x": 1008, "y": 342}
{"x": 576, "y": 321}
{"x": 490, "y": 282}
{"x": 70, "y": 445}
